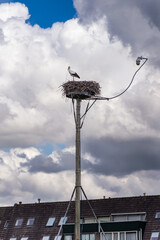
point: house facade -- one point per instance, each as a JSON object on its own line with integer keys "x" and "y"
{"x": 125, "y": 218}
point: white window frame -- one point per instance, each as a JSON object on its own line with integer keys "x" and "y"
{"x": 24, "y": 238}
{"x": 14, "y": 238}
{"x": 50, "y": 222}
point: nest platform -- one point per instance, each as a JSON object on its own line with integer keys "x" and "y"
{"x": 81, "y": 89}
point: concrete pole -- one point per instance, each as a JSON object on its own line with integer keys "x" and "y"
{"x": 78, "y": 171}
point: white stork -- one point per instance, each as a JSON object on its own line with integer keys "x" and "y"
{"x": 72, "y": 73}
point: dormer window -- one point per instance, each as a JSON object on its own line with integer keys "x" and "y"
{"x": 94, "y": 220}
{"x": 88, "y": 220}
{"x": 128, "y": 217}
{"x": 103, "y": 219}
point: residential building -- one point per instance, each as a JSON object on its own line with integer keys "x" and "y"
{"x": 124, "y": 218}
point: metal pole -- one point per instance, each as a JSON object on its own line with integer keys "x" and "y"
{"x": 78, "y": 171}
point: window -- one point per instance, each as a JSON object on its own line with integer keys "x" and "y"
{"x": 30, "y": 221}
{"x": 130, "y": 236}
{"x": 119, "y": 218}
{"x": 94, "y": 220}
{"x": 6, "y": 224}
{"x": 13, "y": 238}
{"x": 107, "y": 236}
{"x": 46, "y": 238}
{"x": 88, "y": 236}
{"x": 19, "y": 222}
{"x": 68, "y": 237}
{"x": 88, "y": 220}
{"x": 134, "y": 217}
{"x": 120, "y": 236}
{"x": 115, "y": 236}
{"x": 128, "y": 217}
{"x": 103, "y": 219}
{"x": 157, "y": 215}
{"x": 154, "y": 236}
{"x": 62, "y": 221}
{"x": 24, "y": 238}
{"x": 50, "y": 221}
{"x": 58, "y": 237}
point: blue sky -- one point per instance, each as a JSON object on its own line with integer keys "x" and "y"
{"x": 46, "y": 12}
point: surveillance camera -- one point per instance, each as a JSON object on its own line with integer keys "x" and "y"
{"x": 138, "y": 61}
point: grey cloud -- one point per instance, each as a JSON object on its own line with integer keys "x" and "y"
{"x": 6, "y": 190}
{"x": 123, "y": 157}
{"x": 1, "y": 160}
{"x": 143, "y": 103}
{"x": 151, "y": 10}
{"x": 42, "y": 163}
{"x": 114, "y": 157}
{"x": 134, "y": 22}
{"x": 4, "y": 112}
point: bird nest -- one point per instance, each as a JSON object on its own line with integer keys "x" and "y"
{"x": 81, "y": 89}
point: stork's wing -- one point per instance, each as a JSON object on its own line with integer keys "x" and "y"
{"x": 75, "y": 75}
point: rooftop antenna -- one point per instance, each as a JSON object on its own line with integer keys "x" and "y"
{"x": 79, "y": 91}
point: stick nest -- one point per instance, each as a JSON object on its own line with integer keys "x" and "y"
{"x": 90, "y": 88}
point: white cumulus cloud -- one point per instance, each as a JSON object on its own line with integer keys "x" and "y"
{"x": 13, "y": 10}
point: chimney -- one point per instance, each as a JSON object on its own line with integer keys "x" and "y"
{"x": 20, "y": 203}
{"x": 104, "y": 197}
{"x": 39, "y": 200}
{"x": 144, "y": 194}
